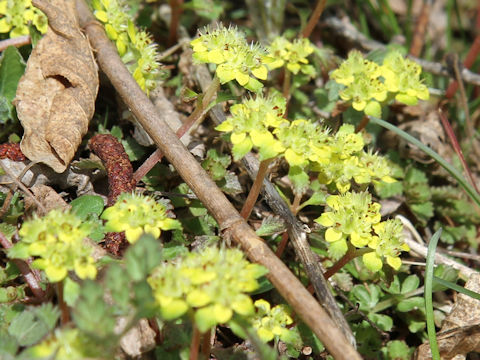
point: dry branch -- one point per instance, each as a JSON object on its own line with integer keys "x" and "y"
{"x": 214, "y": 200}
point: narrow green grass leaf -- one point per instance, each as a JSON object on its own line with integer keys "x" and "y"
{"x": 447, "y": 166}
{"x": 457, "y": 288}
{"x": 432, "y": 337}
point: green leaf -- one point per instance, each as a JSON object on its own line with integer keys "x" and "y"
{"x": 398, "y": 350}
{"x": 172, "y": 252}
{"x": 445, "y": 273}
{"x": 26, "y": 329}
{"x": 367, "y": 298}
{"x": 264, "y": 285}
{"x": 142, "y": 257}
{"x": 8, "y": 344}
{"x": 12, "y": 68}
{"x": 432, "y": 336}
{"x": 410, "y": 283}
{"x": 410, "y": 304}
{"x": 87, "y": 204}
{"x": 91, "y": 314}
{"x": 119, "y": 286}
{"x": 134, "y": 150}
{"x": 310, "y": 339}
{"x": 71, "y": 291}
{"x": 384, "y": 322}
{"x": 447, "y": 166}
{"x": 48, "y": 314}
{"x": 299, "y": 178}
{"x": 271, "y": 225}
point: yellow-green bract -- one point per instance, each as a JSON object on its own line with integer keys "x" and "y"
{"x": 210, "y": 285}
{"x": 136, "y": 215}
{"x": 368, "y": 85}
{"x": 57, "y": 240}
{"x": 135, "y": 47}
{"x": 234, "y": 57}
{"x": 17, "y": 14}
{"x": 355, "y": 218}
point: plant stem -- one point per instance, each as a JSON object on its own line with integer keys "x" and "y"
{"x": 255, "y": 190}
{"x": 287, "y": 79}
{"x": 206, "y": 344}
{"x": 296, "y": 203}
{"x": 351, "y": 254}
{"x": 176, "y": 11}
{"x": 195, "y": 344}
{"x": 65, "y": 313}
{"x": 312, "y": 22}
{"x": 282, "y": 245}
{"x": 195, "y": 118}
{"x": 363, "y": 124}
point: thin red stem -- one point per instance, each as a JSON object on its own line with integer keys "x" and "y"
{"x": 456, "y": 147}
{"x": 282, "y": 245}
{"x": 351, "y": 254}
{"x": 312, "y": 22}
{"x": 255, "y": 190}
{"x": 195, "y": 117}
{"x": 206, "y": 344}
{"x": 64, "y": 311}
{"x": 176, "y": 11}
{"x": 195, "y": 344}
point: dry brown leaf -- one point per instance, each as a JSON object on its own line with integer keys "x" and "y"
{"x": 460, "y": 333}
{"x": 55, "y": 98}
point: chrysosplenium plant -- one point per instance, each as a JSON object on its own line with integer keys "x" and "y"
{"x": 16, "y": 15}
{"x": 136, "y": 215}
{"x": 58, "y": 243}
{"x": 135, "y": 47}
{"x": 307, "y": 146}
{"x": 354, "y": 223}
{"x": 368, "y": 84}
{"x": 209, "y": 286}
{"x": 234, "y": 57}
{"x": 292, "y": 55}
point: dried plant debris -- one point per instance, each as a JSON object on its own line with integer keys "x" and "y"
{"x": 460, "y": 333}
{"x": 120, "y": 179}
{"x": 12, "y": 152}
{"x": 55, "y": 98}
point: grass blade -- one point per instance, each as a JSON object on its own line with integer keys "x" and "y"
{"x": 457, "y": 288}
{"x": 447, "y": 166}
{"x": 432, "y": 337}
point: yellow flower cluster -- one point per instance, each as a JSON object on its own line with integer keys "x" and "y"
{"x": 17, "y": 14}
{"x": 212, "y": 285}
{"x": 135, "y": 47}
{"x": 136, "y": 215}
{"x": 354, "y": 217}
{"x": 57, "y": 240}
{"x": 368, "y": 84}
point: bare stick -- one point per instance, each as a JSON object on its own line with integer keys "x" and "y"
{"x": 17, "y": 42}
{"x": 22, "y": 186}
{"x": 209, "y": 194}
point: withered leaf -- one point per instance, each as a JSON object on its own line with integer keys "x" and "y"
{"x": 56, "y": 96}
{"x": 460, "y": 333}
